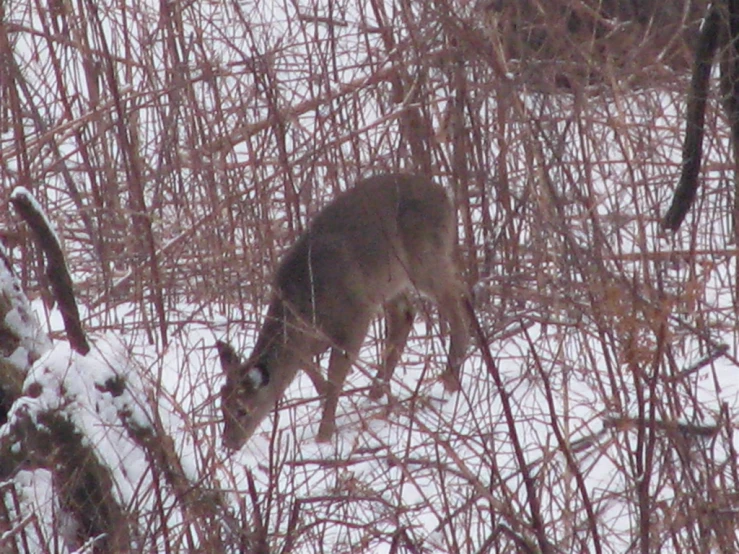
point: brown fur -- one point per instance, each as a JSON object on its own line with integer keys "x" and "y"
{"x": 363, "y": 251}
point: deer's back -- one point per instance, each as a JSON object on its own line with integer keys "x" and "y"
{"x": 365, "y": 246}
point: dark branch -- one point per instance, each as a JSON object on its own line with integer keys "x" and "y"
{"x": 56, "y": 270}
{"x": 694, "y": 127}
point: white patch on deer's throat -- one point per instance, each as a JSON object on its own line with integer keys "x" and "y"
{"x": 256, "y": 377}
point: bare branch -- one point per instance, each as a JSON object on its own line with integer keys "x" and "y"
{"x": 56, "y": 266}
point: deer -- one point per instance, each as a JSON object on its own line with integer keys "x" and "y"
{"x": 365, "y": 251}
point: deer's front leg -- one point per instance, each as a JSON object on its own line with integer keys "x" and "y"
{"x": 399, "y": 315}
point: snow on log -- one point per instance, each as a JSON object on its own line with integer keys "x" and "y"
{"x": 72, "y": 422}
{"x": 22, "y": 340}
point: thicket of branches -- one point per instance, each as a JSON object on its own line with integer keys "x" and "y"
{"x": 179, "y": 147}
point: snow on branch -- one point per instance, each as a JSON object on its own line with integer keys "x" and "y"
{"x": 56, "y": 267}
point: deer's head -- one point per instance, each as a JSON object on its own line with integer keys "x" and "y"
{"x": 245, "y": 399}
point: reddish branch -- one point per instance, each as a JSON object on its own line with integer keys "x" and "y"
{"x": 537, "y": 522}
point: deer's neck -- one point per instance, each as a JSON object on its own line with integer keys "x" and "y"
{"x": 280, "y": 347}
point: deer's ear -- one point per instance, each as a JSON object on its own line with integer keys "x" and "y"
{"x": 258, "y": 376}
{"x": 227, "y": 355}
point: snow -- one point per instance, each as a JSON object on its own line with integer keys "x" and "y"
{"x": 22, "y": 193}
{"x": 73, "y": 386}
{"x": 20, "y": 320}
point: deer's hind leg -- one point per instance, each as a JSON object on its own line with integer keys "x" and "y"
{"x": 447, "y": 291}
{"x": 451, "y": 309}
{"x": 399, "y": 315}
